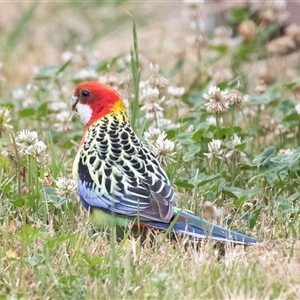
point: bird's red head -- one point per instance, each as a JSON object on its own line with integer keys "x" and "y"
{"x": 93, "y": 100}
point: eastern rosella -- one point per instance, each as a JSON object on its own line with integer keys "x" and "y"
{"x": 120, "y": 180}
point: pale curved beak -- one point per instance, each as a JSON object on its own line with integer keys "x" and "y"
{"x": 74, "y": 101}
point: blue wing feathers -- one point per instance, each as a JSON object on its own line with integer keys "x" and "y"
{"x": 199, "y": 228}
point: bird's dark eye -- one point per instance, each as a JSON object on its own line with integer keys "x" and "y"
{"x": 85, "y": 93}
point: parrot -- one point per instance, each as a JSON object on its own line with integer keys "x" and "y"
{"x": 120, "y": 181}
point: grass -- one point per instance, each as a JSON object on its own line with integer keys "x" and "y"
{"x": 49, "y": 248}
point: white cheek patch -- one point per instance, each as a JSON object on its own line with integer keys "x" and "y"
{"x": 84, "y": 111}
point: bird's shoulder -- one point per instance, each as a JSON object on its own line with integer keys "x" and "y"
{"x": 112, "y": 141}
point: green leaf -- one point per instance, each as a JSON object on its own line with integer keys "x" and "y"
{"x": 292, "y": 85}
{"x": 47, "y": 72}
{"x": 48, "y": 193}
{"x": 192, "y": 151}
{"x": 222, "y": 49}
{"x": 234, "y": 192}
{"x": 241, "y": 146}
{"x": 254, "y": 217}
{"x": 28, "y": 234}
{"x": 231, "y": 84}
{"x": 202, "y": 179}
{"x": 293, "y": 117}
{"x": 196, "y": 98}
{"x": 201, "y": 130}
{"x": 51, "y": 72}
{"x": 237, "y": 15}
{"x": 265, "y": 98}
{"x": 264, "y": 159}
{"x": 27, "y": 112}
{"x": 62, "y": 67}
{"x": 185, "y": 138}
{"x": 240, "y": 201}
{"x": 184, "y": 184}
{"x": 286, "y": 107}
{"x": 43, "y": 109}
{"x": 18, "y": 202}
{"x": 36, "y": 259}
{"x": 294, "y": 197}
{"x": 226, "y": 132}
{"x": 172, "y": 134}
{"x": 268, "y": 31}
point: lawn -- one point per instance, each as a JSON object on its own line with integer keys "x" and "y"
{"x": 213, "y": 93}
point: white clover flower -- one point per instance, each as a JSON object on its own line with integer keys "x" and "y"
{"x": 152, "y": 110}
{"x": 149, "y": 94}
{"x": 79, "y": 48}
{"x": 67, "y": 55}
{"x": 297, "y": 107}
{"x": 222, "y": 37}
{"x": 287, "y": 151}
{"x": 5, "y": 119}
{"x": 143, "y": 84}
{"x": 156, "y": 80}
{"x": 214, "y": 148}
{"x": 30, "y": 94}
{"x": 280, "y": 129}
{"x": 274, "y": 11}
{"x": 221, "y": 74}
{"x": 38, "y": 151}
{"x": 163, "y": 151}
{"x": 164, "y": 123}
{"x": 236, "y": 140}
{"x": 213, "y": 121}
{"x": 18, "y": 93}
{"x": 85, "y": 74}
{"x": 115, "y": 79}
{"x": 152, "y": 135}
{"x": 4, "y": 152}
{"x": 249, "y": 109}
{"x": 176, "y": 91}
{"x": 191, "y": 128}
{"x": 216, "y": 100}
{"x": 236, "y": 155}
{"x": 63, "y": 121}
{"x": 28, "y": 144}
{"x": 154, "y": 67}
{"x": 58, "y": 106}
{"x": 65, "y": 187}
{"x": 234, "y": 97}
{"x": 25, "y": 139}
{"x": 161, "y": 147}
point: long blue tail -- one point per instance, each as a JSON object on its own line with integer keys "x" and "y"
{"x": 199, "y": 228}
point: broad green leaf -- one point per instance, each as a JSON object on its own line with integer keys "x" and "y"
{"x": 185, "y": 138}
{"x": 36, "y": 259}
{"x": 18, "y": 202}
{"x": 240, "y": 201}
{"x": 47, "y": 72}
{"x": 264, "y": 158}
{"x": 292, "y": 85}
{"x": 192, "y": 151}
{"x": 27, "y": 112}
{"x": 237, "y": 15}
{"x": 234, "y": 192}
{"x": 184, "y": 184}
{"x": 202, "y": 179}
{"x": 201, "y": 130}
{"x": 265, "y": 98}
